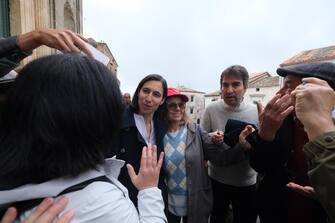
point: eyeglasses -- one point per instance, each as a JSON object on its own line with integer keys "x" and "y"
{"x": 174, "y": 106}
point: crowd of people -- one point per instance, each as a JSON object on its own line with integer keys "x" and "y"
{"x": 74, "y": 149}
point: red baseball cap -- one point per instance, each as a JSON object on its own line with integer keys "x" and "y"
{"x": 173, "y": 92}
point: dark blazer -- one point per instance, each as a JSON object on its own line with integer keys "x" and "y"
{"x": 129, "y": 149}
{"x": 270, "y": 160}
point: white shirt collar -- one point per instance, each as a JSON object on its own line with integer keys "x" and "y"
{"x": 140, "y": 124}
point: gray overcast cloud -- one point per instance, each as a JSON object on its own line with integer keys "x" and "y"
{"x": 190, "y": 42}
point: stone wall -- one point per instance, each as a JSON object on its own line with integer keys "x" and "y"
{"x": 28, "y": 15}
{"x": 196, "y": 107}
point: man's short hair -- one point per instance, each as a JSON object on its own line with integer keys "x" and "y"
{"x": 236, "y": 71}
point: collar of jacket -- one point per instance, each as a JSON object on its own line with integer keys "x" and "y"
{"x": 192, "y": 128}
{"x": 160, "y": 126}
{"x": 128, "y": 118}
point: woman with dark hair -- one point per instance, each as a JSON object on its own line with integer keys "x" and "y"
{"x": 57, "y": 126}
{"x": 142, "y": 127}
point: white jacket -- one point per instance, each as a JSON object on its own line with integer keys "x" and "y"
{"x": 99, "y": 202}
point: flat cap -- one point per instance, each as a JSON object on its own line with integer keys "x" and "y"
{"x": 322, "y": 70}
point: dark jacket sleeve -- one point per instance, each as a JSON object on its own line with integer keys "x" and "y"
{"x": 271, "y": 156}
{"x": 320, "y": 155}
{"x": 221, "y": 154}
{"x": 10, "y": 55}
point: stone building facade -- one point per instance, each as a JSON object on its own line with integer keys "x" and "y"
{"x": 103, "y": 47}
{"x": 195, "y": 107}
{"x": 261, "y": 87}
{"x": 27, "y": 15}
{"x": 211, "y": 97}
{"x": 262, "y": 90}
{"x": 21, "y": 16}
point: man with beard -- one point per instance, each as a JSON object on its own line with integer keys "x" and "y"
{"x": 234, "y": 182}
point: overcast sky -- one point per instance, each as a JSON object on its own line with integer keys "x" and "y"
{"x": 190, "y": 42}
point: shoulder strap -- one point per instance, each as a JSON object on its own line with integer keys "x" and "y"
{"x": 23, "y": 206}
{"x": 82, "y": 185}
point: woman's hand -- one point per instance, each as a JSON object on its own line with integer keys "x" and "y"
{"x": 148, "y": 174}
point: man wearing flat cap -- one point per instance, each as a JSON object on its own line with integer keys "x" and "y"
{"x": 277, "y": 151}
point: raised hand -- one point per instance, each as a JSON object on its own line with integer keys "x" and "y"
{"x": 272, "y": 116}
{"x": 246, "y": 131}
{"x": 314, "y": 103}
{"x": 63, "y": 40}
{"x": 148, "y": 174}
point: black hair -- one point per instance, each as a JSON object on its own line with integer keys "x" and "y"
{"x": 236, "y": 71}
{"x": 151, "y": 77}
{"x": 59, "y": 119}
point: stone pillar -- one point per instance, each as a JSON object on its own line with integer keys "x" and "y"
{"x": 21, "y": 16}
{"x": 28, "y": 15}
{"x": 79, "y": 13}
{"x": 22, "y": 19}
{"x": 42, "y": 20}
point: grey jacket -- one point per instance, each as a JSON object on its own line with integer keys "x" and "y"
{"x": 200, "y": 198}
{"x": 199, "y": 148}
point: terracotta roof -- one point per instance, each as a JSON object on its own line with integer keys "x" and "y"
{"x": 320, "y": 54}
{"x": 215, "y": 93}
{"x": 185, "y": 89}
{"x": 255, "y": 74}
{"x": 266, "y": 82}
{"x": 253, "y": 77}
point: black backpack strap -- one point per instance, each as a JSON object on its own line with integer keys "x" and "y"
{"x": 23, "y": 206}
{"x": 82, "y": 185}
